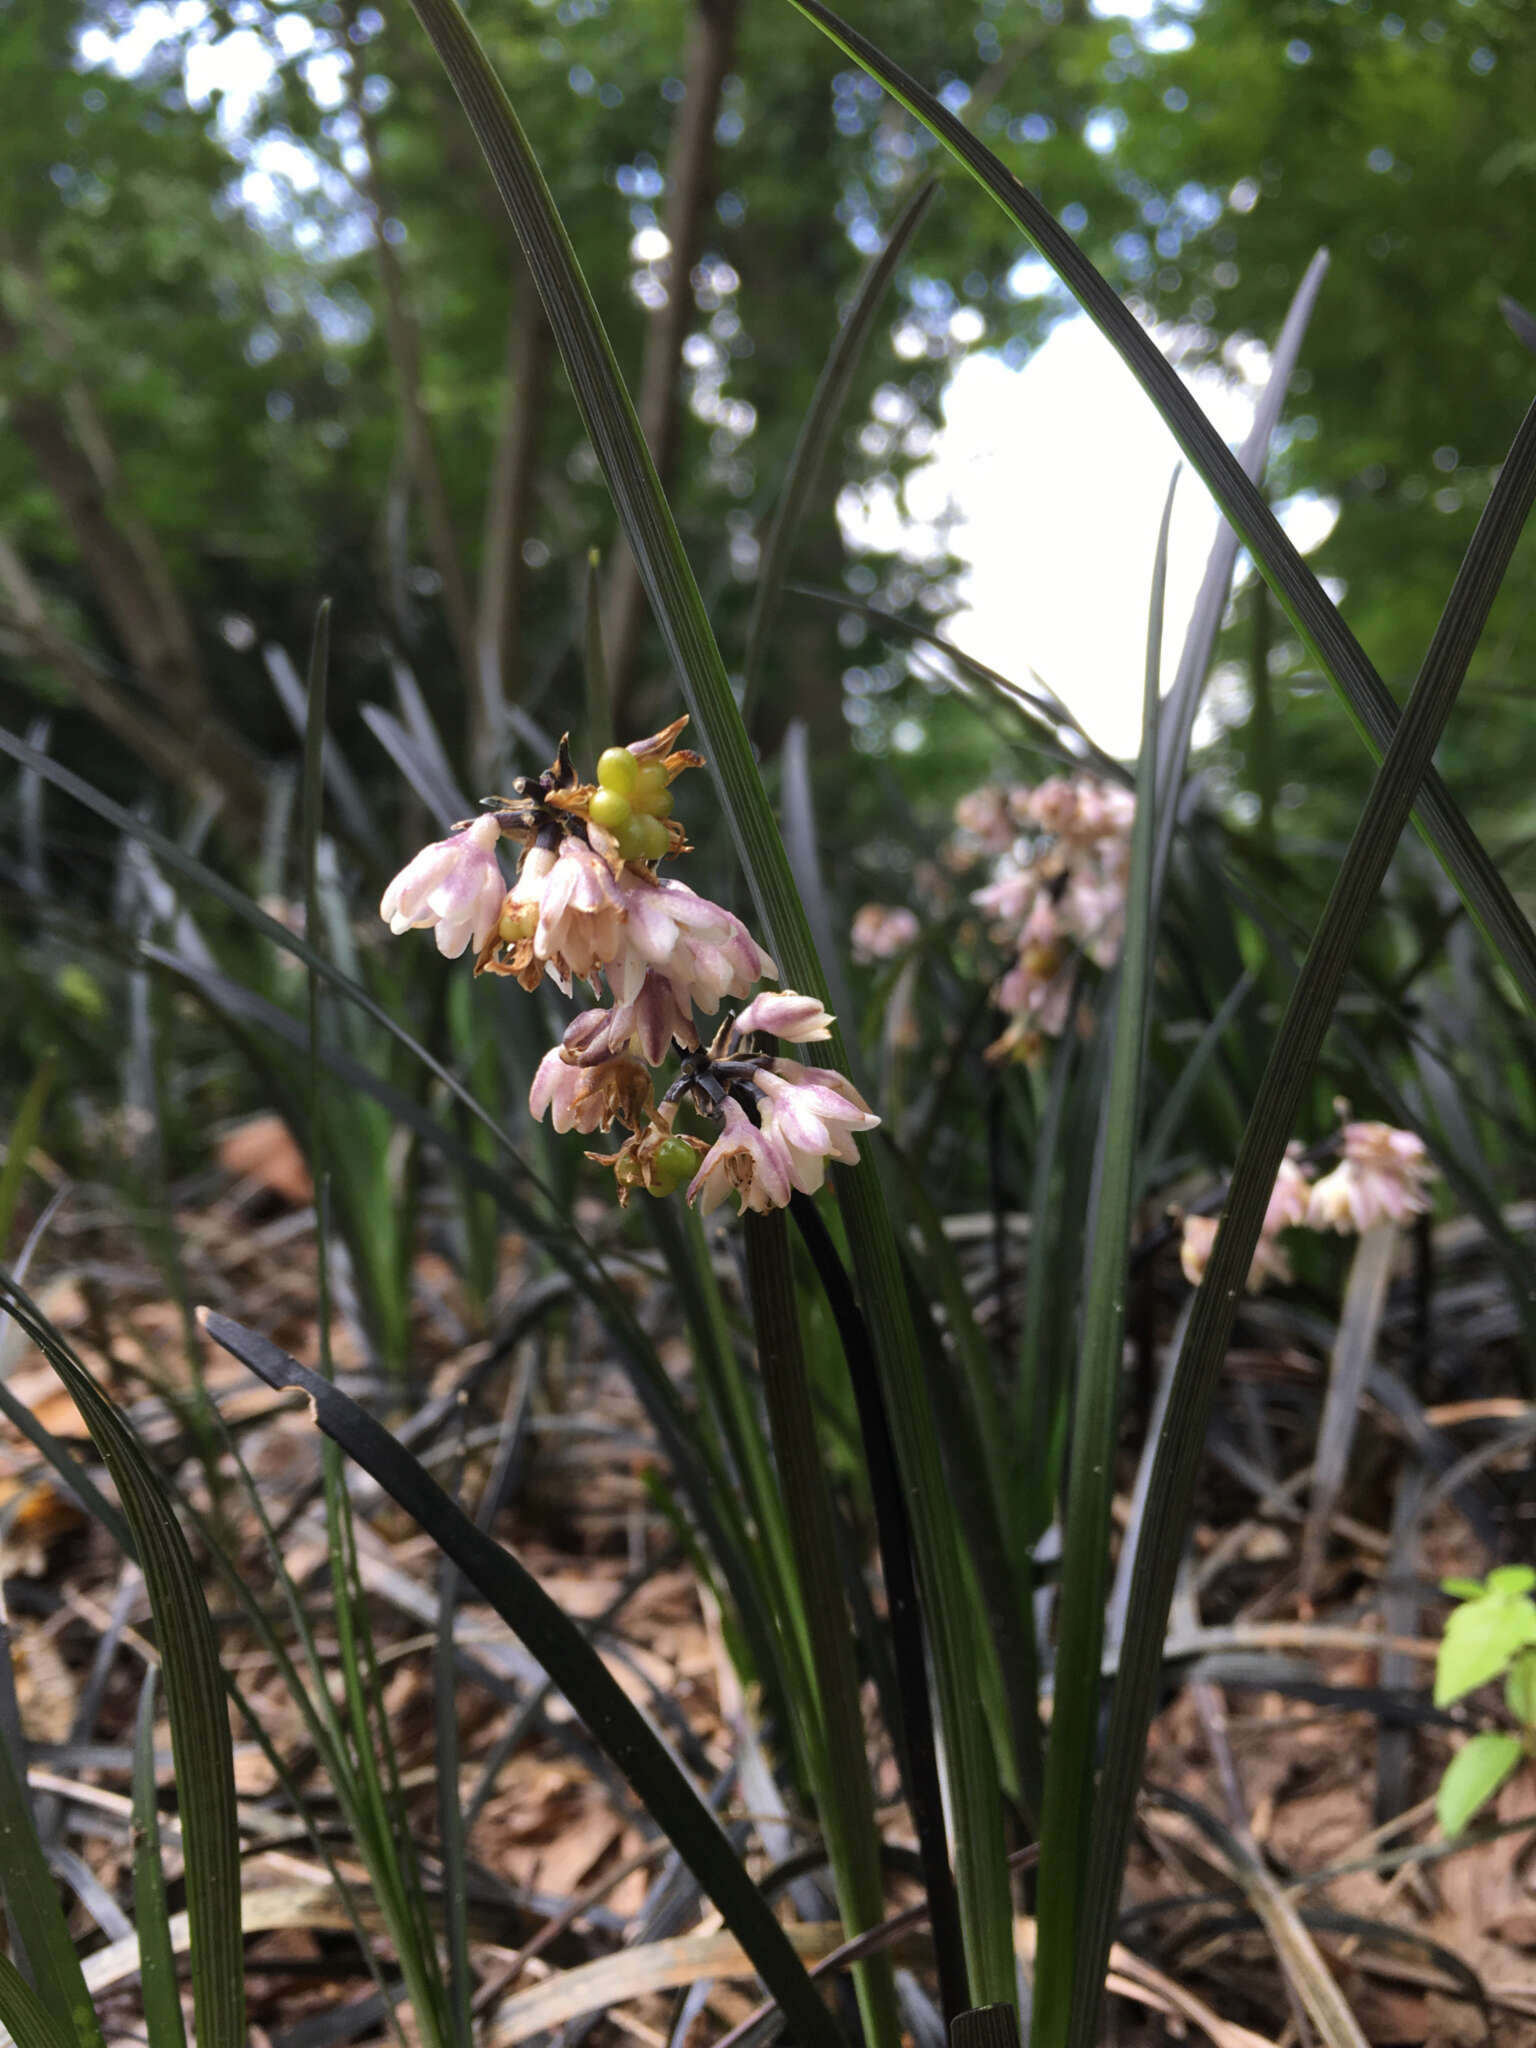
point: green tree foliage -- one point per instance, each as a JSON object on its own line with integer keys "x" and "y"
{"x": 255, "y": 278}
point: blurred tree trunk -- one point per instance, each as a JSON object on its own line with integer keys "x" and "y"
{"x": 403, "y": 341}
{"x": 508, "y": 506}
{"x": 690, "y": 168}
{"x": 69, "y": 445}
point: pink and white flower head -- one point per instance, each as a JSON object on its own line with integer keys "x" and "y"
{"x": 1093, "y": 910}
{"x": 985, "y": 815}
{"x": 455, "y": 885}
{"x": 1199, "y": 1234}
{"x": 651, "y": 1024}
{"x": 880, "y": 931}
{"x": 1290, "y": 1196}
{"x": 812, "y": 1112}
{"x": 744, "y": 1161}
{"x": 1008, "y": 900}
{"x": 582, "y": 915}
{"x": 1382, "y": 1178}
{"x": 591, "y": 1097}
{"x": 701, "y": 949}
{"x": 799, "y": 1020}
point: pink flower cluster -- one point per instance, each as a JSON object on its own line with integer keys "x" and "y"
{"x": 1060, "y": 855}
{"x": 1382, "y": 1177}
{"x": 582, "y": 909}
{"x": 880, "y": 931}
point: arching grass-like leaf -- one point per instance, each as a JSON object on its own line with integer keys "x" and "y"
{"x": 194, "y": 1692}
{"x": 152, "y": 1919}
{"x": 1071, "y": 1752}
{"x": 1295, "y": 1049}
{"x": 25, "y": 2017}
{"x": 33, "y": 1907}
{"x": 613, "y": 1719}
{"x": 609, "y": 416}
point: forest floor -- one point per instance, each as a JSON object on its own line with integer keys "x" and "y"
{"x": 1289, "y": 1780}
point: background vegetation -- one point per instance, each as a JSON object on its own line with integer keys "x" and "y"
{"x": 268, "y": 337}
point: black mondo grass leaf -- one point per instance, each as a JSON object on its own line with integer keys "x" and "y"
{"x": 163, "y": 2021}
{"x": 1070, "y": 1754}
{"x": 614, "y": 430}
{"x": 1487, "y": 896}
{"x": 25, "y": 2017}
{"x": 575, "y": 1666}
{"x": 1297, "y": 1044}
{"x": 37, "y": 1920}
{"x": 194, "y": 1692}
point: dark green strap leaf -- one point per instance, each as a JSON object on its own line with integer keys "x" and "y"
{"x": 25, "y": 2017}
{"x": 36, "y": 1914}
{"x": 152, "y": 1916}
{"x": 194, "y": 1692}
{"x": 1296, "y": 1047}
{"x": 609, "y": 416}
{"x": 571, "y": 1661}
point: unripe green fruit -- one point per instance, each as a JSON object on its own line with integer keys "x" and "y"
{"x": 653, "y": 837}
{"x": 520, "y": 922}
{"x": 660, "y": 805}
{"x": 618, "y": 770}
{"x": 609, "y": 808}
{"x": 630, "y": 839}
{"x": 650, "y": 782}
{"x": 674, "y": 1159}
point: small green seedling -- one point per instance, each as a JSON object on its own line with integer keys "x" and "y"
{"x": 1491, "y": 1635}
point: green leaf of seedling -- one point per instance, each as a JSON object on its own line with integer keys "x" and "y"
{"x": 1520, "y": 1689}
{"x": 1475, "y": 1773}
{"x": 1463, "y": 1589}
{"x": 1511, "y": 1579}
{"x": 1482, "y": 1639}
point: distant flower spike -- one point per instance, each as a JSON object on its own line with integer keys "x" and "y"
{"x": 1382, "y": 1178}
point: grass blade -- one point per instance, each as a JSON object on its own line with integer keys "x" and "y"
{"x": 1178, "y": 716}
{"x": 25, "y": 2017}
{"x": 32, "y": 1903}
{"x": 614, "y": 430}
{"x": 1071, "y": 1752}
{"x": 611, "y": 1717}
{"x": 1366, "y": 697}
{"x": 163, "y": 2020}
{"x": 1040, "y": 711}
{"x": 1286, "y": 1076}
{"x": 194, "y": 1692}
{"x": 827, "y": 402}
{"x": 836, "y": 1752}
{"x": 25, "y": 1125}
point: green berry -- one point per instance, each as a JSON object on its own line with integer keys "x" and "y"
{"x": 660, "y": 805}
{"x": 653, "y": 835}
{"x": 631, "y": 839}
{"x": 673, "y": 1160}
{"x": 650, "y": 783}
{"x": 610, "y": 808}
{"x": 618, "y": 770}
